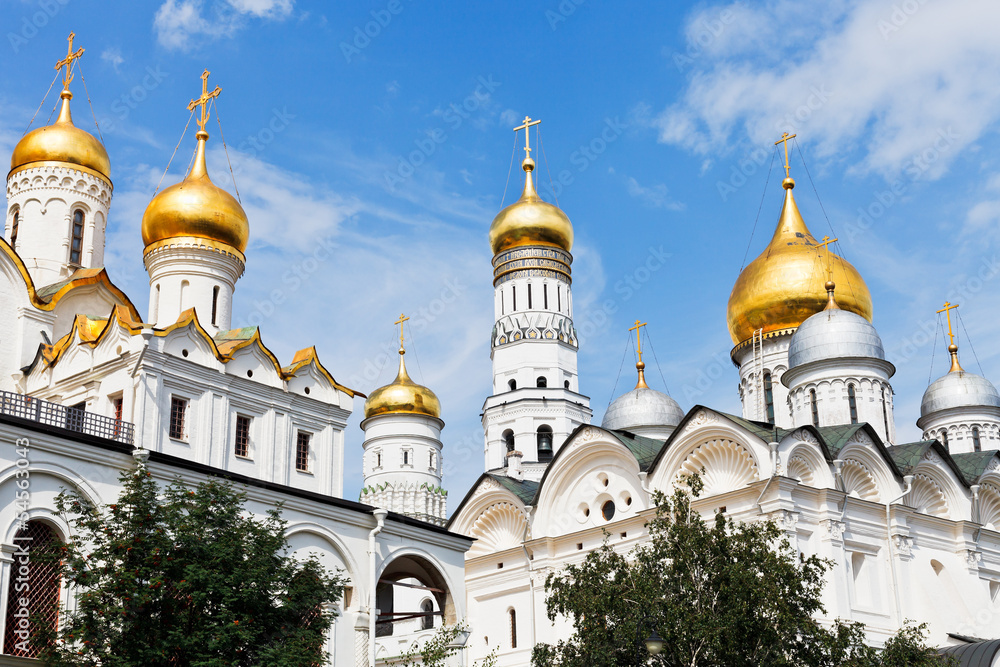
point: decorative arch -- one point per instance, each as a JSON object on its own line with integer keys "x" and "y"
{"x": 499, "y": 527}
{"x": 331, "y": 539}
{"x": 989, "y": 505}
{"x": 859, "y": 481}
{"x": 926, "y": 496}
{"x": 724, "y": 465}
{"x": 412, "y": 563}
{"x": 805, "y": 463}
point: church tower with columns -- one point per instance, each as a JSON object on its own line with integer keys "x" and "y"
{"x": 536, "y": 401}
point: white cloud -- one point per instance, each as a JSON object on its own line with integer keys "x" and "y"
{"x": 850, "y": 75}
{"x": 177, "y": 22}
{"x": 113, "y": 56}
{"x": 656, "y": 196}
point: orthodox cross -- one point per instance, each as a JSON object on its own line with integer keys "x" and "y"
{"x": 527, "y": 124}
{"x": 67, "y": 62}
{"x": 402, "y": 318}
{"x": 638, "y": 338}
{"x": 202, "y": 101}
{"x": 829, "y": 256}
{"x": 948, "y": 307}
{"x": 784, "y": 140}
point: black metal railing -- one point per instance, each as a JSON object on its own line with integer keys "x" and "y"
{"x": 66, "y": 417}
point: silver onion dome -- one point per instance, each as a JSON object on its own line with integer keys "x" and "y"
{"x": 834, "y": 334}
{"x": 641, "y": 407}
{"x": 959, "y": 389}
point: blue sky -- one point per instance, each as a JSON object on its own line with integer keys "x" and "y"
{"x": 392, "y": 149}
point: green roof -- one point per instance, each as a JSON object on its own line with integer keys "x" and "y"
{"x": 972, "y": 465}
{"x": 835, "y": 437}
{"x": 763, "y": 430}
{"x": 906, "y": 457}
{"x": 524, "y": 489}
{"x": 643, "y": 449}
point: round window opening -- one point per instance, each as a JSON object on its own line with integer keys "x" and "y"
{"x": 608, "y": 510}
{"x": 184, "y": 352}
{"x": 249, "y": 374}
{"x": 307, "y": 390}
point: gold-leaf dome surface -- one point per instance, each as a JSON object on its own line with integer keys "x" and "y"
{"x": 530, "y": 221}
{"x": 62, "y": 142}
{"x": 786, "y": 283}
{"x": 196, "y": 207}
{"x": 403, "y": 396}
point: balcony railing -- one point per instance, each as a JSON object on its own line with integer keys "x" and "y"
{"x": 66, "y": 417}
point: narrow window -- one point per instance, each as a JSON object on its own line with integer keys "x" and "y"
{"x": 885, "y": 413}
{"x": 241, "y": 444}
{"x": 769, "y": 397}
{"x": 39, "y": 602}
{"x": 558, "y": 298}
{"x": 852, "y": 402}
{"x": 977, "y": 446}
{"x": 512, "y": 384}
{"x": 427, "y": 609}
{"x": 513, "y": 628}
{"x": 529, "y": 296}
{"x": 944, "y": 438}
{"x": 815, "y": 408}
{"x": 178, "y": 408}
{"x": 513, "y": 294}
{"x": 302, "y": 451}
{"x": 378, "y": 460}
{"x": 503, "y": 305}
{"x": 406, "y": 458}
{"x": 156, "y": 302}
{"x": 76, "y": 245}
{"x": 117, "y": 404}
{"x": 545, "y": 295}
{"x": 544, "y": 442}
{"x": 13, "y": 230}
{"x": 215, "y": 305}
{"x": 508, "y": 441}
{"x": 431, "y": 462}
{"x": 541, "y": 381}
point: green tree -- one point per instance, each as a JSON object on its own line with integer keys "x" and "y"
{"x": 437, "y": 650}
{"x": 728, "y": 593}
{"x": 185, "y": 576}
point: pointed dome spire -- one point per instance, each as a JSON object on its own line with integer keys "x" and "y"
{"x": 530, "y": 220}
{"x": 62, "y": 141}
{"x": 782, "y": 287}
{"x": 196, "y": 207}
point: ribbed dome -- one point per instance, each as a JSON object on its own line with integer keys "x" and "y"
{"x": 834, "y": 334}
{"x": 642, "y": 407}
{"x": 403, "y": 396}
{"x": 958, "y": 389}
{"x": 530, "y": 221}
{"x": 62, "y": 142}
{"x": 196, "y": 207}
{"x": 784, "y": 286}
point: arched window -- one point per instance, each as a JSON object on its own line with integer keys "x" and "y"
{"x": 541, "y": 381}
{"x": 13, "y": 229}
{"x": 559, "y": 298}
{"x": 43, "y": 582}
{"x": 545, "y": 295}
{"x": 852, "y": 402}
{"x": 529, "y": 296}
{"x": 544, "y": 441}
{"x": 769, "y": 397}
{"x": 503, "y": 306}
{"x": 814, "y": 406}
{"x": 76, "y": 244}
{"x": 944, "y": 438}
{"x": 155, "y": 310}
{"x": 427, "y": 620}
{"x": 512, "y": 384}
{"x": 513, "y": 295}
{"x": 566, "y": 384}
{"x": 508, "y": 443}
{"x": 215, "y": 305}
{"x": 885, "y": 414}
{"x": 513, "y": 628}
{"x": 977, "y": 445}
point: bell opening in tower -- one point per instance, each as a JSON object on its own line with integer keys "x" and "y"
{"x": 544, "y": 442}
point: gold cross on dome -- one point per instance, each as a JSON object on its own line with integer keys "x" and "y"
{"x": 67, "y": 62}
{"x": 829, "y": 255}
{"x": 638, "y": 338}
{"x": 527, "y": 124}
{"x": 402, "y": 318}
{"x": 784, "y": 140}
{"x": 204, "y": 99}
{"x": 948, "y": 307}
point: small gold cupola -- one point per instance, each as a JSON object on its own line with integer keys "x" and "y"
{"x": 196, "y": 207}
{"x": 403, "y": 395}
{"x": 62, "y": 141}
{"x": 785, "y": 284}
{"x": 530, "y": 221}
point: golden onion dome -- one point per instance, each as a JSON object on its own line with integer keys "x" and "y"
{"x": 62, "y": 142}
{"x": 403, "y": 396}
{"x": 786, "y": 283}
{"x": 196, "y": 207}
{"x": 530, "y": 221}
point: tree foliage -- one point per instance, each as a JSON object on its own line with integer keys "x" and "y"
{"x": 724, "y": 593}
{"x": 437, "y": 650}
{"x": 186, "y": 578}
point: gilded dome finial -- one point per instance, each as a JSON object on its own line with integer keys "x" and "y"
{"x": 831, "y": 301}
{"x": 67, "y": 62}
{"x": 199, "y": 169}
{"x": 952, "y": 348}
{"x": 788, "y": 183}
{"x": 402, "y": 395}
{"x": 639, "y": 366}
